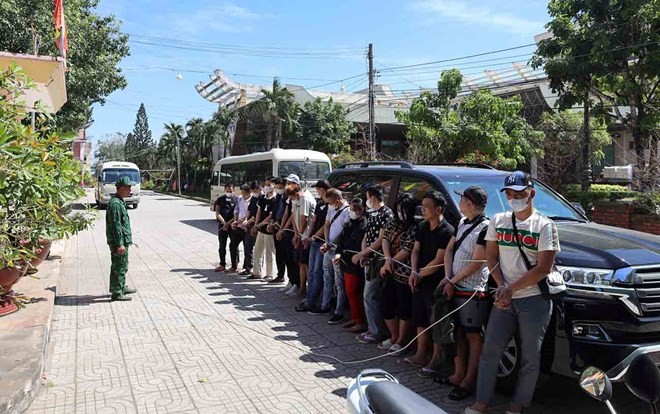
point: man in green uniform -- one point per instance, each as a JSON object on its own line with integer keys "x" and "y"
{"x": 118, "y": 233}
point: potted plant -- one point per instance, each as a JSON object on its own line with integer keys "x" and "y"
{"x": 38, "y": 179}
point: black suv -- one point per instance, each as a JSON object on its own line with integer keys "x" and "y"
{"x": 612, "y": 311}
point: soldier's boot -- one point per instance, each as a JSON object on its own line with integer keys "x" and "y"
{"x": 129, "y": 290}
{"x": 120, "y": 297}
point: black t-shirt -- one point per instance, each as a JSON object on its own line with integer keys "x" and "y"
{"x": 280, "y": 207}
{"x": 432, "y": 240}
{"x": 320, "y": 213}
{"x": 267, "y": 206}
{"x": 253, "y": 206}
{"x": 225, "y": 206}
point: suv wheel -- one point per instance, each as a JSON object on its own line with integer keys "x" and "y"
{"x": 508, "y": 367}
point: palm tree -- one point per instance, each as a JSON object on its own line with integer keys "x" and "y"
{"x": 278, "y": 108}
{"x": 169, "y": 144}
{"x": 218, "y": 126}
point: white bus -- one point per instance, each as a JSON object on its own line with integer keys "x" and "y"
{"x": 310, "y": 166}
{"x": 107, "y": 175}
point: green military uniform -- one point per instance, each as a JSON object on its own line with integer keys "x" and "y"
{"x": 118, "y": 233}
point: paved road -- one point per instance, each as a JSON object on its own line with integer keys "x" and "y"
{"x": 194, "y": 341}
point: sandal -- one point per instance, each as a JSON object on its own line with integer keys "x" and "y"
{"x": 408, "y": 361}
{"x": 444, "y": 381}
{"x": 427, "y": 373}
{"x": 459, "y": 394}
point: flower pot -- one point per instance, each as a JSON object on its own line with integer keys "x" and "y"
{"x": 41, "y": 250}
{"x": 9, "y": 276}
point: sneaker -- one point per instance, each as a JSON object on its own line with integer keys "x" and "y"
{"x": 253, "y": 277}
{"x": 220, "y": 268}
{"x": 318, "y": 311}
{"x": 277, "y": 280}
{"x": 245, "y": 272}
{"x": 120, "y": 297}
{"x": 129, "y": 290}
{"x": 367, "y": 338}
{"x": 286, "y": 288}
{"x": 335, "y": 319}
{"x": 386, "y": 344}
{"x": 232, "y": 269}
{"x": 292, "y": 290}
{"x": 302, "y": 307}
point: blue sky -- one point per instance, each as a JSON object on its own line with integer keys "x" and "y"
{"x": 403, "y": 33}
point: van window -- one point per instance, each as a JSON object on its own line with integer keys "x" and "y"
{"x": 245, "y": 172}
{"x": 216, "y": 178}
{"x": 307, "y": 171}
{"x": 355, "y": 185}
{"x": 111, "y": 175}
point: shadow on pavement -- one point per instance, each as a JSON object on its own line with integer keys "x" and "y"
{"x": 555, "y": 394}
{"x": 81, "y": 300}
{"x": 83, "y": 206}
{"x": 208, "y": 225}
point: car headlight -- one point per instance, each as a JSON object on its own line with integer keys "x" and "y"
{"x": 586, "y": 276}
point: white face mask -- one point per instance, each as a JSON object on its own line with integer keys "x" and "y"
{"x": 279, "y": 191}
{"x": 268, "y": 189}
{"x": 518, "y": 204}
{"x": 370, "y": 204}
{"x": 353, "y": 215}
{"x": 229, "y": 194}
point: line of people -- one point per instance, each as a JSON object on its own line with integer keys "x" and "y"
{"x": 386, "y": 275}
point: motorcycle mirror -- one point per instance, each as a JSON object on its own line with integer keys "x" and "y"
{"x": 643, "y": 379}
{"x": 596, "y": 383}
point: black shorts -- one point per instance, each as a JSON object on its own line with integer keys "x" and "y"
{"x": 472, "y": 316}
{"x": 396, "y": 300}
{"x": 301, "y": 255}
{"x": 423, "y": 301}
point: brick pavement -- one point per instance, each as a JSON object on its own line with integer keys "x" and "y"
{"x": 191, "y": 341}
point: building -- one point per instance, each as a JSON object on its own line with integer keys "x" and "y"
{"x": 82, "y": 151}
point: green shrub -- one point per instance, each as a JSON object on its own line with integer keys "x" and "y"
{"x": 648, "y": 202}
{"x": 148, "y": 185}
{"x": 597, "y": 192}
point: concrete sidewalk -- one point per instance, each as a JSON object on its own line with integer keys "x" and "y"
{"x": 24, "y": 336}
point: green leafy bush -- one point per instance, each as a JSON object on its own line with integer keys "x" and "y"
{"x": 598, "y": 192}
{"x": 648, "y": 202}
{"x": 148, "y": 185}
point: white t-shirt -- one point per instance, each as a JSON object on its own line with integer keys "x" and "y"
{"x": 303, "y": 207}
{"x": 337, "y": 224}
{"x": 538, "y": 233}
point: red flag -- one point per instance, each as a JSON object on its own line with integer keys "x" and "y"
{"x": 61, "y": 40}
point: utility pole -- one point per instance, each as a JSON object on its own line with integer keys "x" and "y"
{"x": 178, "y": 165}
{"x": 372, "y": 137}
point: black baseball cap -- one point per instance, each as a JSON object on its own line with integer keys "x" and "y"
{"x": 475, "y": 194}
{"x": 324, "y": 184}
{"x": 518, "y": 181}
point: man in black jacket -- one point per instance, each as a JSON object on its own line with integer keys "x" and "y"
{"x": 224, "y": 213}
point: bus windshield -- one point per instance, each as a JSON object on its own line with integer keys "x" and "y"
{"x": 111, "y": 175}
{"x": 307, "y": 171}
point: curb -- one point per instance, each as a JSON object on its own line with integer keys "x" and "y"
{"x": 31, "y": 325}
{"x": 200, "y": 199}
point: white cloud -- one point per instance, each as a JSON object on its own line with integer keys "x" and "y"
{"x": 228, "y": 18}
{"x": 478, "y": 13}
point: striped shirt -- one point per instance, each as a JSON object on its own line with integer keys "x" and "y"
{"x": 465, "y": 252}
{"x": 536, "y": 234}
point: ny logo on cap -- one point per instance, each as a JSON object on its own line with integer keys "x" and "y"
{"x": 511, "y": 180}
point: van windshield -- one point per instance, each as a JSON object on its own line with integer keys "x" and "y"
{"x": 111, "y": 175}
{"x": 307, "y": 171}
{"x": 545, "y": 201}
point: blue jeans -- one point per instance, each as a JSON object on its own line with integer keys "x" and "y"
{"x": 341, "y": 307}
{"x": 530, "y": 316}
{"x": 373, "y": 290}
{"x": 328, "y": 278}
{"x": 314, "y": 274}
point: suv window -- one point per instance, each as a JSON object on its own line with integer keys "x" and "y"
{"x": 355, "y": 185}
{"x": 417, "y": 187}
{"x": 545, "y": 201}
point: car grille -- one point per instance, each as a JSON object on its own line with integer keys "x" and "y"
{"x": 648, "y": 290}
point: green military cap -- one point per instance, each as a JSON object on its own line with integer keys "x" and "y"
{"x": 123, "y": 181}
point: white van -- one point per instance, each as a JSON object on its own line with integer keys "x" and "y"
{"x": 310, "y": 166}
{"x": 107, "y": 175}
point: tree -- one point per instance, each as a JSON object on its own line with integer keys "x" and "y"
{"x": 219, "y": 127}
{"x": 96, "y": 46}
{"x": 609, "y": 50}
{"x": 564, "y": 135}
{"x": 140, "y": 146}
{"x": 324, "y": 127}
{"x": 280, "y": 113}
{"x": 444, "y": 128}
{"x": 111, "y": 148}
